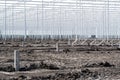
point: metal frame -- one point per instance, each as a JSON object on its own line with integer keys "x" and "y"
{"x": 61, "y": 8}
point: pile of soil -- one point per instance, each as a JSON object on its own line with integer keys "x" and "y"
{"x": 66, "y": 50}
{"x": 8, "y": 68}
{"x": 83, "y": 74}
{"x": 31, "y": 66}
{"x": 40, "y": 65}
{"x": 101, "y": 64}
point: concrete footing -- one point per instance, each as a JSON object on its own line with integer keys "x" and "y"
{"x": 57, "y": 47}
{"x": 16, "y": 60}
{"x": 119, "y": 46}
{"x": 22, "y": 44}
{"x": 69, "y": 43}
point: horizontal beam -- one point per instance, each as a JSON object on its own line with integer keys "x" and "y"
{"x": 58, "y": 2}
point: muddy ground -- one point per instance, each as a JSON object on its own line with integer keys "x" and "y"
{"x": 40, "y": 61}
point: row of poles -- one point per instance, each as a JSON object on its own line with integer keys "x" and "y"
{"x": 78, "y": 24}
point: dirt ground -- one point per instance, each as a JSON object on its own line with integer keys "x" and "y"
{"x": 41, "y": 62}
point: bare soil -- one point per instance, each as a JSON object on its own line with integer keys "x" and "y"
{"x": 40, "y": 61}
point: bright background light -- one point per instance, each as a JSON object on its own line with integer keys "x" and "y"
{"x": 61, "y": 17}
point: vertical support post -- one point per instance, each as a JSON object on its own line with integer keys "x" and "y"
{"x": 57, "y": 47}
{"x": 60, "y": 21}
{"x": 16, "y": 60}
{"x": 37, "y": 22}
{"x": 12, "y": 22}
{"x": 76, "y": 34}
{"x": 108, "y": 21}
{"x": 5, "y": 22}
{"x": 42, "y": 22}
{"x": 53, "y": 21}
{"x": 25, "y": 22}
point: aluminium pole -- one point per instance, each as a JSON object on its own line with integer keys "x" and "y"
{"x": 76, "y": 21}
{"x": 5, "y": 22}
{"x": 53, "y": 20}
{"x": 108, "y": 21}
{"x": 60, "y": 36}
{"x": 42, "y": 25}
{"x": 12, "y": 22}
{"x": 37, "y": 31}
{"x": 25, "y": 23}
